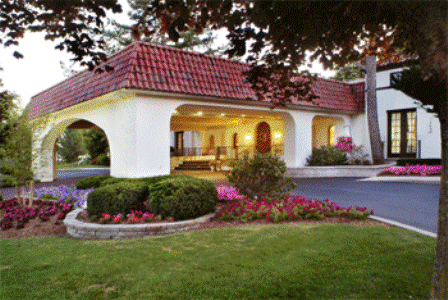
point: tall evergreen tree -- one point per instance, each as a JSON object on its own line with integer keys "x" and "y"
{"x": 71, "y": 145}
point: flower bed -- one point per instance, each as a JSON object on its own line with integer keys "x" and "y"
{"x": 17, "y": 216}
{"x": 135, "y": 217}
{"x": 290, "y": 208}
{"x": 413, "y": 170}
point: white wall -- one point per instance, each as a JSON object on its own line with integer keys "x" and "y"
{"x": 428, "y": 125}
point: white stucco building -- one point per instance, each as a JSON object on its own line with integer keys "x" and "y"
{"x": 407, "y": 130}
{"x": 161, "y": 106}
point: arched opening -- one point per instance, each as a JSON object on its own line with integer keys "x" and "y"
{"x": 326, "y": 130}
{"x": 72, "y": 144}
{"x": 224, "y": 134}
{"x": 263, "y": 141}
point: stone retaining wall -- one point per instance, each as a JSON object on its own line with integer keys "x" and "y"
{"x": 79, "y": 229}
{"x": 337, "y": 171}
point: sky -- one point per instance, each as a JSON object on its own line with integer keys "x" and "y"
{"x": 40, "y": 68}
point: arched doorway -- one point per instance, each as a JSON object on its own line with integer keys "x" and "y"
{"x": 263, "y": 141}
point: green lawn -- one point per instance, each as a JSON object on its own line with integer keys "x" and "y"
{"x": 75, "y": 165}
{"x": 296, "y": 261}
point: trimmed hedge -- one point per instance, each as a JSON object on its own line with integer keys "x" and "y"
{"x": 182, "y": 197}
{"x": 117, "y": 198}
{"x": 1, "y": 197}
{"x": 91, "y": 182}
{"x": 327, "y": 156}
{"x": 419, "y": 161}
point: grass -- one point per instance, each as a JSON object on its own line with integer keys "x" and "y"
{"x": 283, "y": 261}
{"x": 75, "y": 165}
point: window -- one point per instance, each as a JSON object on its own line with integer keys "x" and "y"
{"x": 402, "y": 133}
{"x": 395, "y": 78}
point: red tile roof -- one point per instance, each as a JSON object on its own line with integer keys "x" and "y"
{"x": 156, "y": 68}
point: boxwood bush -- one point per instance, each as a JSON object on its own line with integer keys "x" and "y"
{"x": 327, "y": 156}
{"x": 117, "y": 198}
{"x": 91, "y": 182}
{"x": 182, "y": 197}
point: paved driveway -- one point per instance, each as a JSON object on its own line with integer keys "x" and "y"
{"x": 413, "y": 204}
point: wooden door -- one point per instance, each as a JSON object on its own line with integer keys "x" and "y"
{"x": 263, "y": 141}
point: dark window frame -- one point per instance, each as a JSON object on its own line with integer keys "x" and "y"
{"x": 403, "y": 133}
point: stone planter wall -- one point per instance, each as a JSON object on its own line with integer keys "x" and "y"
{"x": 78, "y": 229}
{"x": 337, "y": 171}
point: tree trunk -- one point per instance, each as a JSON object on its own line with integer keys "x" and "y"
{"x": 371, "y": 111}
{"x": 439, "y": 289}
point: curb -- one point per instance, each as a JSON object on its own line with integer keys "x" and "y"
{"x": 404, "y": 226}
{"x": 78, "y": 229}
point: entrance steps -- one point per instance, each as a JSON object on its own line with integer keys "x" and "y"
{"x": 200, "y": 165}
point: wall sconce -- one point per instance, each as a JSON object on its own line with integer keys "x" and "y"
{"x": 200, "y": 113}
{"x": 277, "y": 135}
{"x": 247, "y": 137}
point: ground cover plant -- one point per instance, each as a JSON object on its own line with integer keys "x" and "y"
{"x": 279, "y": 261}
{"x": 413, "y": 170}
{"x": 236, "y": 207}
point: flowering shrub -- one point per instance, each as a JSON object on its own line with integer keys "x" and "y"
{"x": 421, "y": 170}
{"x": 290, "y": 208}
{"x": 63, "y": 193}
{"x": 42, "y": 210}
{"x": 135, "y": 217}
{"x": 226, "y": 193}
{"x": 345, "y": 144}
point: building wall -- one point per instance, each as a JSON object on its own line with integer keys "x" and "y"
{"x": 428, "y": 125}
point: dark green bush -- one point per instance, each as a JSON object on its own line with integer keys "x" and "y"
{"x": 147, "y": 180}
{"x": 91, "y": 182}
{"x": 1, "y": 197}
{"x": 327, "y": 156}
{"x": 182, "y": 197}
{"x": 117, "y": 198}
{"x": 419, "y": 161}
{"x": 264, "y": 174}
{"x": 103, "y": 160}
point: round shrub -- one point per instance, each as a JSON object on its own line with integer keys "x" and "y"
{"x": 116, "y": 199}
{"x": 327, "y": 156}
{"x": 91, "y": 182}
{"x": 264, "y": 174}
{"x": 182, "y": 198}
{"x": 1, "y": 197}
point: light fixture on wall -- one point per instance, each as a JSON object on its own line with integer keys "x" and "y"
{"x": 248, "y": 137}
{"x": 200, "y": 113}
{"x": 277, "y": 136}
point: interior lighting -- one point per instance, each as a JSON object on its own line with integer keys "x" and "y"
{"x": 248, "y": 137}
{"x": 277, "y": 135}
{"x": 200, "y": 113}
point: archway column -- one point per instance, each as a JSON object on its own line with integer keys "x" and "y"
{"x": 140, "y": 139}
{"x": 298, "y": 137}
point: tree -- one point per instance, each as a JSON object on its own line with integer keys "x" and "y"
{"x": 350, "y": 71}
{"x": 7, "y": 107}
{"x": 72, "y": 145}
{"x": 118, "y": 35}
{"x": 96, "y": 142}
{"x": 277, "y": 35}
{"x": 70, "y": 21}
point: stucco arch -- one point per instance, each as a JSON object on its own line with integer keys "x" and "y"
{"x": 44, "y": 145}
{"x": 321, "y": 127}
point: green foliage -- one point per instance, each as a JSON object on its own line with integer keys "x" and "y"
{"x": 118, "y": 198}
{"x": 91, "y": 182}
{"x": 349, "y": 72}
{"x": 327, "y": 156}
{"x": 182, "y": 198}
{"x": 264, "y": 174}
{"x": 103, "y": 160}
{"x": 7, "y": 181}
{"x": 419, "y": 161}
{"x": 96, "y": 142}
{"x": 1, "y": 197}
{"x": 72, "y": 145}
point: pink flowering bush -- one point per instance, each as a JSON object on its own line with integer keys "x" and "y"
{"x": 345, "y": 143}
{"x": 226, "y": 193}
{"x": 421, "y": 170}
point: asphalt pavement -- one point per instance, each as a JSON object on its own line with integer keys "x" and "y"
{"x": 410, "y": 203}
